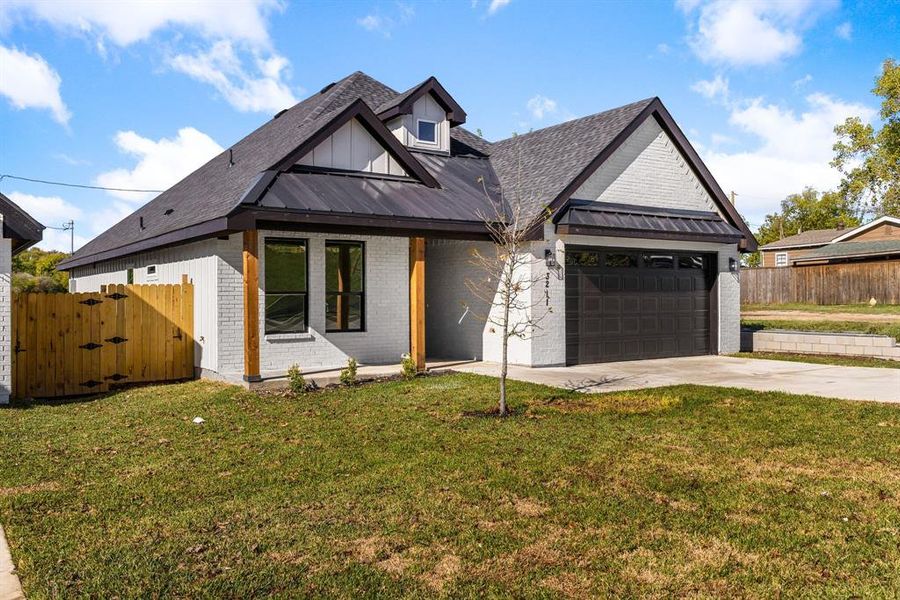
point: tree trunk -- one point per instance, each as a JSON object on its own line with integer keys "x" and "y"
{"x": 503, "y": 359}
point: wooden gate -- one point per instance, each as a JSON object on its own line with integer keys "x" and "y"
{"x": 85, "y": 343}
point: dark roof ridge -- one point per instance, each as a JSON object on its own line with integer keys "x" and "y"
{"x": 551, "y": 128}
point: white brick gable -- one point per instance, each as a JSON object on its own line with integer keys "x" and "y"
{"x": 647, "y": 170}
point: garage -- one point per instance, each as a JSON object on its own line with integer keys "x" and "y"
{"x": 628, "y": 304}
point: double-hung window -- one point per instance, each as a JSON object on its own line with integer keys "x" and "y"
{"x": 345, "y": 302}
{"x": 286, "y": 286}
{"x": 781, "y": 259}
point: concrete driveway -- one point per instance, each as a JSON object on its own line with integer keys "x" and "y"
{"x": 832, "y": 381}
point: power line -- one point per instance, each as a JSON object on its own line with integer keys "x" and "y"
{"x": 76, "y": 185}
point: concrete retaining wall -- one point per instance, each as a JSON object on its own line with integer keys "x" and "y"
{"x": 803, "y": 342}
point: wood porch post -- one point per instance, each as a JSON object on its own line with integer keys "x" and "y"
{"x": 251, "y": 305}
{"x": 417, "y": 301}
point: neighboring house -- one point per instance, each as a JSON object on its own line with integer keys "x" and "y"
{"x": 20, "y": 231}
{"x": 875, "y": 241}
{"x": 309, "y": 240}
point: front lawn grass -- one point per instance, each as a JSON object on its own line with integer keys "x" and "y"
{"x": 878, "y": 328}
{"x": 878, "y": 309}
{"x": 406, "y": 489}
{"x": 820, "y": 359}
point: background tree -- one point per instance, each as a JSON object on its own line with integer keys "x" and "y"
{"x": 868, "y": 159}
{"x": 34, "y": 270}
{"x": 506, "y": 277}
{"x": 804, "y": 211}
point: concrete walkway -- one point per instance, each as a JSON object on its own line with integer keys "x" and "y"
{"x": 10, "y": 588}
{"x": 831, "y": 381}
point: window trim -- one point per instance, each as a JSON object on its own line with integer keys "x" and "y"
{"x": 437, "y": 140}
{"x": 779, "y": 256}
{"x": 266, "y": 291}
{"x": 152, "y": 273}
{"x": 362, "y": 294}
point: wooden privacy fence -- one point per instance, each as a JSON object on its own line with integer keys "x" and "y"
{"x": 848, "y": 283}
{"x": 70, "y": 344}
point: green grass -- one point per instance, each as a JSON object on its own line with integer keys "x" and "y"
{"x": 846, "y": 361}
{"x": 891, "y": 329}
{"x": 878, "y": 309}
{"x": 403, "y": 489}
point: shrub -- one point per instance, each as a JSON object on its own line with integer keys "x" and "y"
{"x": 348, "y": 373}
{"x": 408, "y": 366}
{"x": 296, "y": 382}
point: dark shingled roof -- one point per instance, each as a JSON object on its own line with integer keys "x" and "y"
{"x": 19, "y": 226}
{"x": 253, "y": 176}
{"x": 545, "y": 161}
{"x": 852, "y": 249}
{"x": 216, "y": 188}
{"x": 806, "y": 238}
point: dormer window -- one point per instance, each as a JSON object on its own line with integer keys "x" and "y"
{"x": 427, "y": 132}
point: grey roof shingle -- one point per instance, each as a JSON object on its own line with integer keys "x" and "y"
{"x": 216, "y": 188}
{"x": 847, "y": 249}
{"x": 542, "y": 163}
{"x": 806, "y": 238}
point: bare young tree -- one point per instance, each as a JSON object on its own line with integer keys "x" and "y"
{"x": 505, "y": 278}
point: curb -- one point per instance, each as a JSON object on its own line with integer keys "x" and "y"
{"x": 10, "y": 588}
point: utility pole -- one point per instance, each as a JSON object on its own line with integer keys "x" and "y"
{"x": 733, "y": 197}
{"x": 70, "y": 227}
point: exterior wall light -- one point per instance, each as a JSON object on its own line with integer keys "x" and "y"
{"x": 550, "y": 258}
{"x": 733, "y": 265}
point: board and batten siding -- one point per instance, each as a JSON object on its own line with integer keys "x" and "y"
{"x": 353, "y": 148}
{"x": 647, "y": 170}
{"x": 198, "y": 260}
{"x": 405, "y": 127}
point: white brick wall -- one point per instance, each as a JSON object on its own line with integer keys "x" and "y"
{"x": 729, "y": 285}
{"x": 387, "y": 309}
{"x": 647, "y": 170}
{"x": 5, "y": 317}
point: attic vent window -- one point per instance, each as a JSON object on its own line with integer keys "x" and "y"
{"x": 427, "y": 131}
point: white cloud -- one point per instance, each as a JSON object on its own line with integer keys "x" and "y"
{"x": 125, "y": 22}
{"x": 371, "y": 22}
{"x": 540, "y": 106}
{"x": 28, "y": 81}
{"x": 51, "y": 211}
{"x": 799, "y": 83}
{"x": 160, "y": 163}
{"x": 496, "y": 5}
{"x": 793, "y": 151}
{"x": 221, "y": 67}
{"x": 663, "y": 48}
{"x": 712, "y": 89}
{"x": 750, "y": 33}
{"x": 844, "y": 31}
{"x": 385, "y": 24}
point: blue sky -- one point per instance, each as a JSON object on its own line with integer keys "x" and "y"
{"x": 137, "y": 94}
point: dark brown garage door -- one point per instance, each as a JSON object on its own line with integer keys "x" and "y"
{"x": 624, "y": 304}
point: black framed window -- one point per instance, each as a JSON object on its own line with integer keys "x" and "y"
{"x": 693, "y": 261}
{"x": 286, "y": 286}
{"x": 345, "y": 286}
